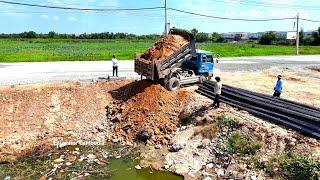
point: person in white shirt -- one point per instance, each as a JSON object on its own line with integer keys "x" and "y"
{"x": 217, "y": 91}
{"x": 115, "y": 66}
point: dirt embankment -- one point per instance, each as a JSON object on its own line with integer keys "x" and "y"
{"x": 150, "y": 113}
{"x": 164, "y": 47}
{"x": 35, "y": 114}
{"x": 32, "y": 115}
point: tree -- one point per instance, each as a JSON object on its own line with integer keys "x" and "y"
{"x": 301, "y": 36}
{"x": 194, "y": 31}
{"x": 267, "y": 38}
{"x": 316, "y": 38}
{"x": 216, "y": 37}
{"x": 51, "y": 34}
{"x": 31, "y": 34}
{"x": 202, "y": 37}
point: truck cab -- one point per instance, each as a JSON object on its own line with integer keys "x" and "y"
{"x": 201, "y": 64}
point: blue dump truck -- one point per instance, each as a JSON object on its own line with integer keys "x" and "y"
{"x": 185, "y": 66}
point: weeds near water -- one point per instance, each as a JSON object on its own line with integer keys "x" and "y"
{"x": 242, "y": 144}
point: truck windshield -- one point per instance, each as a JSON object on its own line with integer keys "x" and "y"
{"x": 207, "y": 58}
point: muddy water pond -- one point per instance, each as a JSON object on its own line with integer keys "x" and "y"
{"x": 123, "y": 168}
{"x": 77, "y": 164}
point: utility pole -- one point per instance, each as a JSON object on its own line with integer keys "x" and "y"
{"x": 165, "y": 18}
{"x": 297, "y": 36}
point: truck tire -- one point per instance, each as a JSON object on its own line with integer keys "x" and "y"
{"x": 173, "y": 84}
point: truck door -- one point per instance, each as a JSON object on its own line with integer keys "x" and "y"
{"x": 206, "y": 62}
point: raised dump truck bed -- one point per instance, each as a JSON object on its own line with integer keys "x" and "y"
{"x": 162, "y": 69}
{"x": 178, "y": 62}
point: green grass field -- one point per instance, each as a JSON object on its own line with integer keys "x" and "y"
{"x": 37, "y": 50}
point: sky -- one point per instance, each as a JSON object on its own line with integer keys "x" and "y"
{"x": 16, "y": 19}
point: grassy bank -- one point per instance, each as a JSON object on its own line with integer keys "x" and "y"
{"x": 31, "y": 50}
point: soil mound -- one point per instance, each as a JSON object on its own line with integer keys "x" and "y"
{"x": 149, "y": 116}
{"x": 164, "y": 47}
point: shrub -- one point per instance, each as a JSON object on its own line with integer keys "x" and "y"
{"x": 267, "y": 38}
{"x": 225, "y": 120}
{"x": 293, "y": 167}
{"x": 242, "y": 144}
{"x": 300, "y": 167}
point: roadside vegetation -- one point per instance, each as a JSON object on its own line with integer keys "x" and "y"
{"x": 293, "y": 167}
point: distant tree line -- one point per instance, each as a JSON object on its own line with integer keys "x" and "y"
{"x": 270, "y": 38}
{"x": 104, "y": 35}
{"x": 206, "y": 37}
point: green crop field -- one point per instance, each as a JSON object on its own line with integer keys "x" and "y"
{"x": 32, "y": 50}
{"x": 238, "y": 50}
{"x": 37, "y": 50}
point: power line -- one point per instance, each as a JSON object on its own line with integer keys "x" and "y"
{"x": 226, "y": 18}
{"x": 80, "y": 9}
{"x": 274, "y": 5}
{"x": 310, "y": 20}
{"x": 63, "y": 3}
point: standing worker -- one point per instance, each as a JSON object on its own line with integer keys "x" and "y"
{"x": 278, "y": 87}
{"x": 217, "y": 91}
{"x": 114, "y": 65}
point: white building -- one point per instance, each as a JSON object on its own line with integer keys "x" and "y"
{"x": 281, "y": 34}
{"x": 255, "y": 36}
{"x": 234, "y": 35}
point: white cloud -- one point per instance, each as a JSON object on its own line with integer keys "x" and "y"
{"x": 71, "y": 18}
{"x": 47, "y": 17}
{"x": 55, "y": 18}
{"x": 44, "y": 16}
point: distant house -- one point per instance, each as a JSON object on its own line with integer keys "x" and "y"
{"x": 281, "y": 35}
{"x": 236, "y": 35}
{"x": 308, "y": 34}
{"x": 255, "y": 36}
{"x": 229, "y": 36}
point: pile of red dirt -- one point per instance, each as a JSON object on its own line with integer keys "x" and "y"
{"x": 164, "y": 47}
{"x": 149, "y": 116}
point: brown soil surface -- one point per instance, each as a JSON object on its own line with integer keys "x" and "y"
{"x": 35, "y": 114}
{"x": 315, "y": 68}
{"x": 153, "y": 109}
{"x": 164, "y": 47}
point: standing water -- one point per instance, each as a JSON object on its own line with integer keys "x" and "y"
{"x": 123, "y": 169}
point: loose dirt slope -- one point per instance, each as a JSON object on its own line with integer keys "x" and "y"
{"x": 34, "y": 115}
{"x": 154, "y": 111}
{"x": 31, "y": 114}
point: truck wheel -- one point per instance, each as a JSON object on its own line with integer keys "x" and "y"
{"x": 173, "y": 84}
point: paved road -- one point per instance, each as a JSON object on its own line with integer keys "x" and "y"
{"x": 24, "y": 73}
